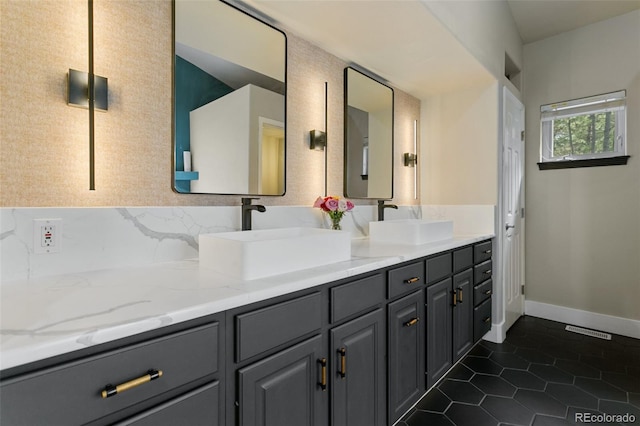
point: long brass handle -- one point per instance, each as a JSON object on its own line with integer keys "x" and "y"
{"x": 414, "y": 321}
{"x": 323, "y": 373}
{"x": 412, "y": 280}
{"x": 343, "y": 362}
{"x": 455, "y": 298}
{"x": 111, "y": 390}
{"x": 488, "y": 292}
{"x": 459, "y": 295}
{"x": 487, "y": 319}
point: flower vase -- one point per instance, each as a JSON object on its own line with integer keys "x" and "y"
{"x": 335, "y": 223}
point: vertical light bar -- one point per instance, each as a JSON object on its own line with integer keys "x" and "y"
{"x": 326, "y": 136}
{"x": 415, "y": 168}
{"x": 91, "y": 88}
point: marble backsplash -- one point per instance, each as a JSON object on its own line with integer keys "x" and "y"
{"x": 102, "y": 238}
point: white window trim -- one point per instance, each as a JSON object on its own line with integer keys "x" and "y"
{"x": 614, "y": 102}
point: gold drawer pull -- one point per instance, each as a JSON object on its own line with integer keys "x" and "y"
{"x": 487, "y": 251}
{"x": 412, "y": 322}
{"x": 343, "y": 362}
{"x": 488, "y": 292}
{"x": 323, "y": 373}
{"x": 455, "y": 298}
{"x": 487, "y": 319}
{"x": 488, "y": 272}
{"x": 459, "y": 295}
{"x": 412, "y": 280}
{"x": 111, "y": 390}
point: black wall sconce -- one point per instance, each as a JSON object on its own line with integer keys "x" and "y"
{"x": 318, "y": 140}
{"x": 78, "y": 90}
{"x": 410, "y": 160}
{"x": 87, "y": 90}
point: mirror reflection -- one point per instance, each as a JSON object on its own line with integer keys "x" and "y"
{"x": 229, "y": 101}
{"x": 368, "y": 128}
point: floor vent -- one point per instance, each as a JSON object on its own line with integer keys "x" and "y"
{"x": 587, "y": 332}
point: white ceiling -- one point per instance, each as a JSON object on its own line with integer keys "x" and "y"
{"x": 402, "y": 42}
{"x": 539, "y": 19}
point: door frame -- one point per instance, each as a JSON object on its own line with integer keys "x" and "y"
{"x": 520, "y": 216}
{"x": 498, "y": 331}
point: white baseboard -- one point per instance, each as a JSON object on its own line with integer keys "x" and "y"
{"x": 497, "y": 334}
{"x": 616, "y": 325}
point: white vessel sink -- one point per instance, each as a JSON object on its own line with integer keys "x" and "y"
{"x": 410, "y": 231}
{"x": 249, "y": 255}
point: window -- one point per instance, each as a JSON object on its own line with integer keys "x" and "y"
{"x": 587, "y": 132}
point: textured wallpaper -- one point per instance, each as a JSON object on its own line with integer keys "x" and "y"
{"x": 44, "y": 142}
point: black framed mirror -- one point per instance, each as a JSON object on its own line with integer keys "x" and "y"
{"x": 368, "y": 137}
{"x": 229, "y": 102}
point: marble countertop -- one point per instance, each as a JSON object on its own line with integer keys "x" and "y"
{"x": 48, "y": 316}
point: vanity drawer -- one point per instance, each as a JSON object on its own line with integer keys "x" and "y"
{"x": 197, "y": 407}
{"x": 462, "y": 259}
{"x": 71, "y": 393}
{"x": 482, "y": 251}
{"x": 356, "y": 296}
{"x": 438, "y": 267}
{"x": 482, "y": 292}
{"x": 482, "y": 272}
{"x": 405, "y": 279}
{"x": 481, "y": 319}
{"x": 267, "y": 328}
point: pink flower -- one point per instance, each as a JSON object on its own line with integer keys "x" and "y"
{"x": 331, "y": 204}
{"x": 350, "y": 205}
{"x": 318, "y": 203}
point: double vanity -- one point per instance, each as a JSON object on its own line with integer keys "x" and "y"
{"x": 352, "y": 341}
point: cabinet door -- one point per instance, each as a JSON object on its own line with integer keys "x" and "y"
{"x": 406, "y": 353}
{"x": 358, "y": 372}
{"x": 463, "y": 314}
{"x": 439, "y": 332}
{"x": 198, "y": 407}
{"x": 284, "y": 389}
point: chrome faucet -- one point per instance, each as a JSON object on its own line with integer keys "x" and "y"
{"x": 246, "y": 212}
{"x": 382, "y": 206}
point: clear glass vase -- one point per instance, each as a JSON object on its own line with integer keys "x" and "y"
{"x": 335, "y": 223}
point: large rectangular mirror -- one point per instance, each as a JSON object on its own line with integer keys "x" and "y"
{"x": 229, "y": 101}
{"x": 368, "y": 135}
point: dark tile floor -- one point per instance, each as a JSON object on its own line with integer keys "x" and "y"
{"x": 541, "y": 375}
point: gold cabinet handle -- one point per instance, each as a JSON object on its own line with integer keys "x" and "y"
{"x": 487, "y": 251}
{"x": 459, "y": 295}
{"x": 488, "y": 272}
{"x": 343, "y": 362}
{"x": 487, "y": 319}
{"x": 323, "y": 373}
{"x": 488, "y": 292}
{"x": 455, "y": 298}
{"x": 111, "y": 390}
{"x": 411, "y": 322}
{"x": 412, "y": 280}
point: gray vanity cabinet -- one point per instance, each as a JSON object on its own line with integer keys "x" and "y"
{"x": 483, "y": 288}
{"x": 439, "y": 308}
{"x": 285, "y": 388}
{"x": 357, "y": 373}
{"x": 406, "y": 343}
{"x": 462, "y": 314}
{"x": 187, "y": 368}
{"x": 450, "y": 312}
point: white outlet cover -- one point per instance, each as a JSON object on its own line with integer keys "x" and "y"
{"x": 51, "y": 243}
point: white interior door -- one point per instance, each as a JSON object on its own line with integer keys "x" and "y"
{"x": 512, "y": 233}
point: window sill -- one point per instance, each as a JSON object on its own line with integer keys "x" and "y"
{"x": 591, "y": 162}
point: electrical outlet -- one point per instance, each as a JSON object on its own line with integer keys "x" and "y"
{"x": 47, "y": 235}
